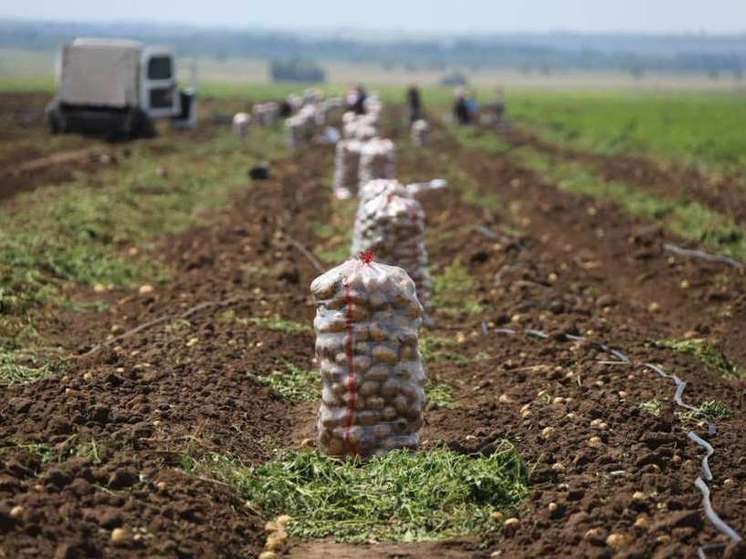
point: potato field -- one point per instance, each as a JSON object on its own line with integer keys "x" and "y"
{"x": 582, "y": 388}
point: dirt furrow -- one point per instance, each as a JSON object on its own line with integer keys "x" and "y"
{"x": 625, "y": 256}
{"x": 724, "y": 194}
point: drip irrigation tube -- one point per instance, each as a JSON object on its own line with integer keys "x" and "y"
{"x": 680, "y": 384}
{"x": 701, "y": 255}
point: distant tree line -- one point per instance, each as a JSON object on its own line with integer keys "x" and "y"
{"x": 543, "y": 53}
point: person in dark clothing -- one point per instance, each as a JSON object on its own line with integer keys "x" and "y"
{"x": 358, "y": 106}
{"x": 415, "y": 104}
{"x": 461, "y": 108}
{"x": 286, "y": 109}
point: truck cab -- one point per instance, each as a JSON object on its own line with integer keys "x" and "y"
{"x": 158, "y": 88}
{"x": 114, "y": 87}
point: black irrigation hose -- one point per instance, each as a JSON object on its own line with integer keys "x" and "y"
{"x": 699, "y": 483}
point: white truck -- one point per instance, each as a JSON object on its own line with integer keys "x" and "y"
{"x": 115, "y": 87}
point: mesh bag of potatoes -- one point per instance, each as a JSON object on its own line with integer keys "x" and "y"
{"x": 346, "y": 168}
{"x": 367, "y": 323}
{"x": 367, "y": 192}
{"x": 392, "y": 225}
{"x": 420, "y": 133}
{"x": 303, "y": 126}
{"x": 377, "y": 160}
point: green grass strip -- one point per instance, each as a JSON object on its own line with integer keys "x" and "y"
{"x": 277, "y": 324}
{"x": 708, "y": 354}
{"x": 293, "y": 383}
{"x": 403, "y": 496}
{"x": 686, "y": 218}
{"x": 453, "y": 291}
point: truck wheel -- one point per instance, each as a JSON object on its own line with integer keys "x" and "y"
{"x": 142, "y": 126}
{"x": 54, "y": 122}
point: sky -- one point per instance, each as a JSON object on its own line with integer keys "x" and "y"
{"x": 669, "y": 16}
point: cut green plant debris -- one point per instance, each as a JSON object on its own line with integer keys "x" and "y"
{"x": 16, "y": 370}
{"x": 403, "y": 496}
{"x": 335, "y": 235}
{"x": 460, "y": 181}
{"x": 708, "y": 354}
{"x": 48, "y": 454}
{"x": 299, "y": 385}
{"x": 711, "y": 410}
{"x": 481, "y": 139}
{"x": 436, "y": 349}
{"x": 440, "y": 395}
{"x": 454, "y": 290}
{"x": 277, "y": 324}
{"x": 653, "y": 407}
{"x": 293, "y": 383}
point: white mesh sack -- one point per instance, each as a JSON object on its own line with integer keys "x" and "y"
{"x": 303, "y": 126}
{"x": 346, "y": 168}
{"x": 367, "y": 192}
{"x": 377, "y": 160}
{"x": 240, "y": 124}
{"x": 298, "y": 133}
{"x": 392, "y": 225}
{"x": 265, "y": 114}
{"x": 367, "y": 323}
{"x": 420, "y": 133}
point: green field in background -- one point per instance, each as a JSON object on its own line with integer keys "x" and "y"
{"x": 691, "y": 128}
{"x": 703, "y": 129}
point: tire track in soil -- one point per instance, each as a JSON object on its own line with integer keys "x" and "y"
{"x": 724, "y": 194}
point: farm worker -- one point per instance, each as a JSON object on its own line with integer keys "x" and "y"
{"x": 286, "y": 109}
{"x": 473, "y": 106}
{"x": 499, "y": 104}
{"x": 356, "y": 99}
{"x": 415, "y": 104}
{"x": 461, "y": 108}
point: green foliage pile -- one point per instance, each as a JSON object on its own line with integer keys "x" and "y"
{"x": 403, "y": 496}
{"x": 710, "y": 410}
{"x": 708, "y": 354}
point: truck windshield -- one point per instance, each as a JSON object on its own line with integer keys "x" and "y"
{"x": 159, "y": 68}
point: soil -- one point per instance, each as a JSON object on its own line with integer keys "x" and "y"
{"x": 121, "y": 419}
{"x": 723, "y": 193}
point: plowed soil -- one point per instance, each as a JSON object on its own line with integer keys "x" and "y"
{"x": 723, "y": 193}
{"x": 130, "y": 406}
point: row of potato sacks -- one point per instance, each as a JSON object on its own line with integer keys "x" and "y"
{"x": 369, "y": 313}
{"x": 361, "y": 155}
